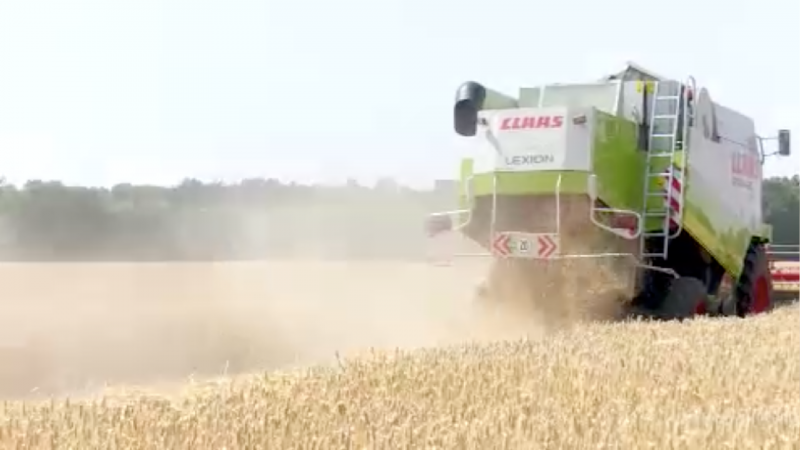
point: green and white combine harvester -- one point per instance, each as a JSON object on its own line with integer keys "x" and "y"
{"x": 634, "y": 168}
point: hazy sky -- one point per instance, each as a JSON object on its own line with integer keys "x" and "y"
{"x": 96, "y": 92}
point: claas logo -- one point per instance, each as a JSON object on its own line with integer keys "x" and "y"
{"x": 745, "y": 165}
{"x": 531, "y": 122}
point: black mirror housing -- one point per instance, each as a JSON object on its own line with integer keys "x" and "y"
{"x": 784, "y": 142}
{"x": 470, "y": 97}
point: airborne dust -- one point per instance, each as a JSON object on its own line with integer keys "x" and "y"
{"x": 72, "y": 328}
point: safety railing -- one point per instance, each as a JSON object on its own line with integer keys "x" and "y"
{"x": 784, "y": 252}
{"x": 784, "y": 266}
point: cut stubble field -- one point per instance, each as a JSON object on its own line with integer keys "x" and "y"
{"x": 368, "y": 355}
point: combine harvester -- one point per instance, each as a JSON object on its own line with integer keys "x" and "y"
{"x": 638, "y": 172}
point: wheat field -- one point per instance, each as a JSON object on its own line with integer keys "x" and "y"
{"x": 302, "y": 355}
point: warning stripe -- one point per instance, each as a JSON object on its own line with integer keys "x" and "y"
{"x": 675, "y": 202}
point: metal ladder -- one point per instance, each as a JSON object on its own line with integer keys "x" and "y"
{"x": 667, "y": 134}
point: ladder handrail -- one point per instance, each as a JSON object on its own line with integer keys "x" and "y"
{"x": 679, "y": 126}
{"x": 688, "y": 89}
{"x": 692, "y": 84}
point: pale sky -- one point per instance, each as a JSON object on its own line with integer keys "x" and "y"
{"x": 146, "y": 91}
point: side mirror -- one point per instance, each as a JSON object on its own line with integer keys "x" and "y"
{"x": 471, "y": 98}
{"x": 591, "y": 187}
{"x": 784, "y": 142}
{"x": 469, "y": 101}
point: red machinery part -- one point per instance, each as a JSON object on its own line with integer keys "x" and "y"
{"x": 784, "y": 266}
{"x": 784, "y": 262}
{"x": 789, "y": 272}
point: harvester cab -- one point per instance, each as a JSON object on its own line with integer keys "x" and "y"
{"x": 635, "y": 167}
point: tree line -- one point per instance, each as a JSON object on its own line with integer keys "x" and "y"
{"x": 252, "y": 219}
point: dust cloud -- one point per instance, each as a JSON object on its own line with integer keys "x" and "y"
{"x": 75, "y": 327}
{"x": 72, "y": 328}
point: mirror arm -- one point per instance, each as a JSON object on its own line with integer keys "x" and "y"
{"x": 761, "y": 152}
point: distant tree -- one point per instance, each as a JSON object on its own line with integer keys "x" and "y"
{"x": 782, "y": 208}
{"x": 255, "y": 218}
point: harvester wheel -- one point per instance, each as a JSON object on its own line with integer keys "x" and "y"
{"x": 754, "y": 289}
{"x": 686, "y": 298}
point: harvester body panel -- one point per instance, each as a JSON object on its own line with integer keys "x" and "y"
{"x": 723, "y": 189}
{"x": 563, "y": 134}
{"x": 608, "y": 149}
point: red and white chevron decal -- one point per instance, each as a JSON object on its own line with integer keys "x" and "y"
{"x": 675, "y": 199}
{"x": 547, "y": 246}
{"x": 515, "y": 244}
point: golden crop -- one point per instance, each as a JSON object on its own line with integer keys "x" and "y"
{"x": 704, "y": 384}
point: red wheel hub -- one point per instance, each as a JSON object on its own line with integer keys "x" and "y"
{"x": 760, "y": 297}
{"x": 700, "y": 309}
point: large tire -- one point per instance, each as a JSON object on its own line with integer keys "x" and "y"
{"x": 754, "y": 292}
{"x": 686, "y": 298}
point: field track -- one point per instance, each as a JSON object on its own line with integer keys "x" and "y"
{"x": 702, "y": 384}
